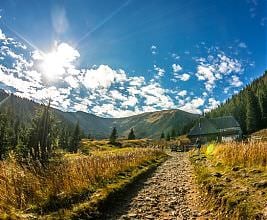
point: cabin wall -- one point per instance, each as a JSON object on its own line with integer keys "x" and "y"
{"x": 219, "y": 137}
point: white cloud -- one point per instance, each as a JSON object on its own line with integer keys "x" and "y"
{"x": 115, "y": 94}
{"x": 2, "y": 35}
{"x": 153, "y": 49}
{"x": 193, "y": 106}
{"x": 131, "y": 101}
{"x": 242, "y": 45}
{"x": 72, "y": 81}
{"x": 182, "y": 93}
{"x": 103, "y": 77}
{"x": 155, "y": 95}
{"x": 160, "y": 71}
{"x": 185, "y": 77}
{"x": 175, "y": 56}
{"x": 212, "y": 104}
{"x": 235, "y": 81}
{"x": 176, "y": 68}
{"x": 212, "y": 70}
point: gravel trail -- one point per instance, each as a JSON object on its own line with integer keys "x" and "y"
{"x": 170, "y": 193}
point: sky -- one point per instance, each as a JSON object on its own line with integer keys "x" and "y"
{"x": 125, "y": 57}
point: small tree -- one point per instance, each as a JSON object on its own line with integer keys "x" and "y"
{"x": 168, "y": 137}
{"x": 173, "y": 133}
{"x": 75, "y": 140}
{"x": 253, "y": 115}
{"x": 131, "y": 135}
{"x": 162, "y": 136}
{"x": 113, "y": 136}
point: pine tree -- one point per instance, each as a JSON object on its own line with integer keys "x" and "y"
{"x": 131, "y": 135}
{"x": 113, "y": 136}
{"x": 253, "y": 112}
{"x": 263, "y": 106}
{"x": 64, "y": 137}
{"x": 162, "y": 136}
{"x": 173, "y": 133}
{"x": 41, "y": 135}
{"x": 75, "y": 140}
{"x": 3, "y": 136}
{"x": 168, "y": 137}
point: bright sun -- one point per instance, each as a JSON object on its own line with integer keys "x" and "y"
{"x": 59, "y": 61}
{"x": 53, "y": 65}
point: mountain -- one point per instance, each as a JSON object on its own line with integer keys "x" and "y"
{"x": 149, "y": 124}
{"x": 249, "y": 106}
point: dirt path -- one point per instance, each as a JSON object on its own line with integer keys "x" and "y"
{"x": 170, "y": 193}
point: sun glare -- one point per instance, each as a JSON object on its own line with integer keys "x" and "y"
{"x": 52, "y": 65}
{"x": 57, "y": 62}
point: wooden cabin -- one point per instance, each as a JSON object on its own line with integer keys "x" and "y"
{"x": 216, "y": 129}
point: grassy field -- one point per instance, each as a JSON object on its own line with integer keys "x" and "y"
{"x": 70, "y": 180}
{"x": 233, "y": 177}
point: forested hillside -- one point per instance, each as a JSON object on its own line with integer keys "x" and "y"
{"x": 249, "y": 106}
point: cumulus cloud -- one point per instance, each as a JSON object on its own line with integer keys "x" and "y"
{"x": 182, "y": 93}
{"x": 193, "y": 106}
{"x": 160, "y": 71}
{"x": 213, "y": 69}
{"x": 176, "y": 68}
{"x": 183, "y": 77}
{"x": 235, "y": 81}
{"x": 212, "y": 104}
{"x": 102, "y": 77}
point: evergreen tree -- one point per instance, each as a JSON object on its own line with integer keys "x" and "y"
{"x": 113, "y": 136}
{"x": 76, "y": 138}
{"x": 263, "y": 106}
{"x": 131, "y": 135}
{"x": 42, "y": 135}
{"x": 168, "y": 137}
{"x": 3, "y": 136}
{"x": 64, "y": 137}
{"x": 253, "y": 112}
{"x": 162, "y": 136}
{"x": 173, "y": 133}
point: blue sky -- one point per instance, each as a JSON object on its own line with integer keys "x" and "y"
{"x": 124, "y": 57}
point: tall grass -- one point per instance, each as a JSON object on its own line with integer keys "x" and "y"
{"x": 22, "y": 187}
{"x": 246, "y": 154}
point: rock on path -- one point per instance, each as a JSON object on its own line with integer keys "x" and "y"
{"x": 169, "y": 194}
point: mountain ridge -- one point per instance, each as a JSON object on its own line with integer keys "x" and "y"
{"x": 147, "y": 124}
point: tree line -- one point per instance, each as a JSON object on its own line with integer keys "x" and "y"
{"x": 249, "y": 106}
{"x": 38, "y": 139}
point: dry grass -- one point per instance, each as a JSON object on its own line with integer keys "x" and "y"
{"x": 244, "y": 154}
{"x": 233, "y": 177}
{"x": 21, "y": 188}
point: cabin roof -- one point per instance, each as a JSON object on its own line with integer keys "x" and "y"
{"x": 206, "y": 126}
{"x": 225, "y": 122}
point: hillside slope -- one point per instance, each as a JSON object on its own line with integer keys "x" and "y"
{"x": 249, "y": 106}
{"x": 149, "y": 124}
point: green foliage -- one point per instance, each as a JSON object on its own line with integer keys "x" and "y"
{"x": 173, "y": 133}
{"x": 162, "y": 136}
{"x": 42, "y": 135}
{"x": 168, "y": 137}
{"x": 3, "y": 136}
{"x": 113, "y": 136}
{"x": 249, "y": 106}
{"x": 131, "y": 135}
{"x": 76, "y": 138}
{"x": 252, "y": 112}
